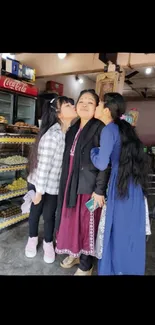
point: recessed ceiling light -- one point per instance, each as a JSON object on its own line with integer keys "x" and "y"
{"x": 62, "y": 55}
{"x": 148, "y": 70}
{"x": 81, "y": 81}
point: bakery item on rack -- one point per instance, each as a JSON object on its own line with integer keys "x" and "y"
{"x": 3, "y": 120}
{"x": 10, "y": 211}
{"x": 19, "y": 124}
{"x": 14, "y": 160}
{"x": 22, "y": 123}
{"x": 3, "y": 190}
{"x": 17, "y": 184}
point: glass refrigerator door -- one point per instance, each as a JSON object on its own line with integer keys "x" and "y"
{"x": 6, "y": 106}
{"x": 26, "y": 109}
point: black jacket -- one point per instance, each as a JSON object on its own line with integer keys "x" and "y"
{"x": 88, "y": 178}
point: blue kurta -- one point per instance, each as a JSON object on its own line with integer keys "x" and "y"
{"x": 124, "y": 238}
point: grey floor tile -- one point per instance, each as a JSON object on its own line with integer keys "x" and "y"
{"x": 14, "y": 262}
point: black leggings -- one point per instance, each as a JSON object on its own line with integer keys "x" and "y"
{"x": 47, "y": 207}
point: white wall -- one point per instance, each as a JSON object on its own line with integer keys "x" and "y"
{"x": 72, "y": 87}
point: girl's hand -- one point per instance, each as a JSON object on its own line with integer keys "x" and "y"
{"x": 98, "y": 199}
{"x": 37, "y": 198}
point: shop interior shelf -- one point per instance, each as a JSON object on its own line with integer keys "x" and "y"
{"x": 8, "y": 168}
{"x": 5, "y": 100}
{"x": 12, "y": 194}
{"x": 7, "y": 175}
{"x": 6, "y": 222}
{"x": 17, "y": 139}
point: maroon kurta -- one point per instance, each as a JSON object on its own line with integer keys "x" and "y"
{"x": 78, "y": 227}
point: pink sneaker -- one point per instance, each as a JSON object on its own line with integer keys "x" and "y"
{"x": 49, "y": 253}
{"x": 31, "y": 247}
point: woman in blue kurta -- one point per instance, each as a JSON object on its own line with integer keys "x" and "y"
{"x": 124, "y": 237}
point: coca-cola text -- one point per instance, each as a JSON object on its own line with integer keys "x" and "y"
{"x": 18, "y": 86}
{"x": 15, "y": 85}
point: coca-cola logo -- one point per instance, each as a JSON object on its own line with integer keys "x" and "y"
{"x": 15, "y": 85}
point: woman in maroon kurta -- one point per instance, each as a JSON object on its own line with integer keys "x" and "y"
{"x": 77, "y": 227}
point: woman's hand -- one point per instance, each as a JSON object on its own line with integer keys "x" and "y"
{"x": 37, "y": 198}
{"x": 98, "y": 199}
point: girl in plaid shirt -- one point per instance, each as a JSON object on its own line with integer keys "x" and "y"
{"x": 45, "y": 169}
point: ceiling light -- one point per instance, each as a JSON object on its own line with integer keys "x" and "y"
{"x": 80, "y": 80}
{"x": 8, "y": 55}
{"x": 62, "y": 55}
{"x": 148, "y": 70}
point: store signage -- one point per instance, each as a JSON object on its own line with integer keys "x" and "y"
{"x": 17, "y": 86}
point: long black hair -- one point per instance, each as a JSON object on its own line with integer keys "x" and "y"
{"x": 92, "y": 92}
{"x": 133, "y": 162}
{"x": 50, "y": 116}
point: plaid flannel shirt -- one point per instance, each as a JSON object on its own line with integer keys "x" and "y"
{"x": 46, "y": 176}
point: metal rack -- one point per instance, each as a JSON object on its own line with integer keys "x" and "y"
{"x": 4, "y": 168}
{"x": 14, "y": 139}
{"x": 4, "y": 223}
{"x": 12, "y": 194}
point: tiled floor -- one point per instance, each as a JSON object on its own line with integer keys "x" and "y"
{"x": 14, "y": 262}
